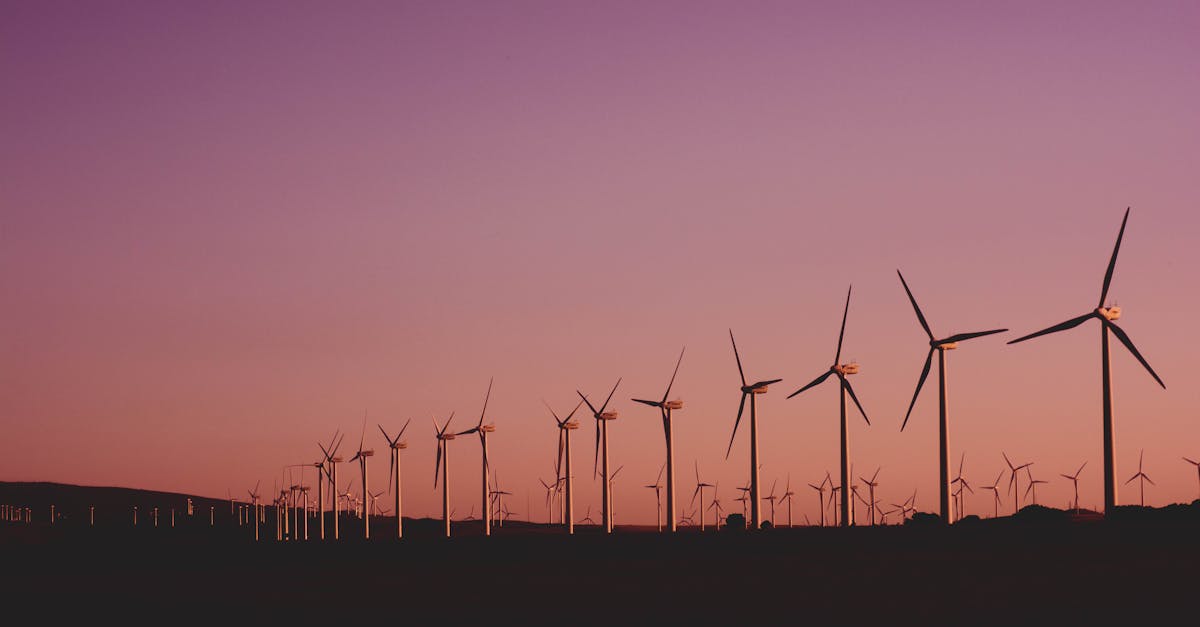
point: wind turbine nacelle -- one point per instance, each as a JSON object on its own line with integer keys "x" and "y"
{"x": 448, "y": 436}
{"x": 336, "y": 460}
{"x": 608, "y": 415}
{"x": 571, "y": 426}
{"x": 948, "y": 347}
{"x": 400, "y": 445}
{"x": 1112, "y": 313}
{"x": 674, "y": 405}
{"x": 366, "y": 453}
{"x": 762, "y": 389}
{"x": 487, "y": 428}
{"x": 850, "y": 368}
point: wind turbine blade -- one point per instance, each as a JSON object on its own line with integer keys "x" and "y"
{"x": 854, "y": 398}
{"x": 841, "y": 334}
{"x": 437, "y": 464}
{"x": 596, "y": 459}
{"x": 610, "y": 395}
{"x": 1080, "y": 469}
{"x": 558, "y": 463}
{"x": 660, "y": 472}
{"x": 920, "y": 316}
{"x": 920, "y": 383}
{"x": 1062, "y": 326}
{"x": 767, "y": 382}
{"x": 645, "y": 402}
{"x": 1120, "y": 333}
{"x": 738, "y": 358}
{"x": 672, "y": 383}
{"x": 741, "y": 406}
{"x": 486, "y": 398}
{"x": 960, "y": 337}
{"x": 385, "y": 435}
{"x": 402, "y": 429}
{"x": 1147, "y": 477}
{"x": 1112, "y": 262}
{"x": 552, "y": 413}
{"x": 577, "y": 406}
{"x": 960, "y": 463}
{"x": 696, "y": 466}
{"x": 1190, "y": 461}
{"x": 1131, "y": 479}
{"x": 589, "y": 403}
{"x": 391, "y": 466}
{"x": 813, "y": 383}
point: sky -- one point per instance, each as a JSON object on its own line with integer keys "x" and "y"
{"x": 229, "y": 229}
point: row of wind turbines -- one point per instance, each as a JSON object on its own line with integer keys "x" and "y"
{"x": 1107, "y": 316}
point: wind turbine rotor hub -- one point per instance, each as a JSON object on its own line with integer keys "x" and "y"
{"x": 846, "y": 369}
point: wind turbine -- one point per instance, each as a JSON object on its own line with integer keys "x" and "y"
{"x": 332, "y": 460}
{"x": 1013, "y": 483}
{"x": 612, "y": 512}
{"x": 787, "y": 496}
{"x": 1033, "y": 483}
{"x": 700, "y": 485}
{"x": 1075, "y": 482}
{"x": 940, "y": 346}
{"x": 665, "y": 408}
{"x": 995, "y": 488}
{"x": 716, "y": 505}
{"x": 1142, "y": 479}
{"x": 588, "y": 516}
{"x": 842, "y": 371}
{"x": 394, "y": 447}
{"x": 1107, "y": 317}
{"x": 483, "y": 430}
{"x": 602, "y": 418}
{"x": 565, "y": 427}
{"x": 657, "y": 487}
{"x": 253, "y": 501}
{"x": 962, "y": 483}
{"x": 751, "y": 391}
{"x": 1196, "y": 464}
{"x": 821, "y": 497}
{"x": 550, "y": 490}
{"x": 871, "y": 485}
{"x": 442, "y": 463}
{"x": 362, "y": 455}
{"x": 770, "y": 497}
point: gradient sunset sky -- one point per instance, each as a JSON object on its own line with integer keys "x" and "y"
{"x": 228, "y": 229}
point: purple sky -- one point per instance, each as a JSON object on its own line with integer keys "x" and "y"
{"x": 226, "y": 229}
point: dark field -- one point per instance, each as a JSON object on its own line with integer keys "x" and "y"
{"x": 1039, "y": 566}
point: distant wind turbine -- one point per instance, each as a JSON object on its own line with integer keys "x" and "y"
{"x": 665, "y": 408}
{"x": 395, "y": 445}
{"x": 442, "y": 463}
{"x": 759, "y": 387}
{"x": 361, "y": 455}
{"x": 1013, "y": 483}
{"x": 1142, "y": 479}
{"x": 565, "y": 427}
{"x": 995, "y": 488}
{"x": 1033, "y": 484}
{"x": 1196, "y": 464}
{"x": 602, "y": 418}
{"x": 700, "y": 485}
{"x": 1074, "y": 479}
{"x": 1107, "y": 317}
{"x": 842, "y": 371}
{"x": 483, "y": 430}
{"x": 657, "y": 487}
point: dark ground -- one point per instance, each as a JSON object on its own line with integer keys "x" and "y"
{"x": 1037, "y": 567}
